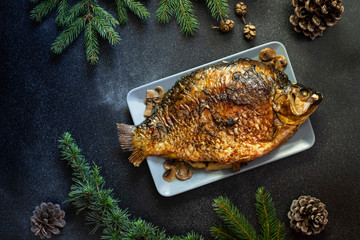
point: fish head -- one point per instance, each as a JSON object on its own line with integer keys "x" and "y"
{"x": 295, "y": 103}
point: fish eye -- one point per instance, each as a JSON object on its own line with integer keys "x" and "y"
{"x": 304, "y": 93}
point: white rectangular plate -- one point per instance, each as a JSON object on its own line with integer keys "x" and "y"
{"x": 302, "y": 140}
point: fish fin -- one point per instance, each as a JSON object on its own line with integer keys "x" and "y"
{"x": 125, "y": 136}
{"x": 137, "y": 157}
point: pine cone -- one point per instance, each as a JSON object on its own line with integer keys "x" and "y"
{"x": 308, "y": 215}
{"x": 226, "y": 25}
{"x": 312, "y": 17}
{"x": 241, "y": 10}
{"x": 249, "y": 31}
{"x": 47, "y": 218}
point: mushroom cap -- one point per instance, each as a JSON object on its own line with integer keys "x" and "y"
{"x": 183, "y": 172}
{"x": 280, "y": 61}
{"x": 267, "y": 54}
{"x": 169, "y": 174}
{"x": 170, "y": 163}
{"x": 160, "y": 93}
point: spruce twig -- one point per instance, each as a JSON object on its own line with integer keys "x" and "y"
{"x": 237, "y": 227}
{"x": 219, "y": 8}
{"x": 185, "y": 17}
{"x": 80, "y": 18}
{"x": 89, "y": 196}
{"x": 165, "y": 10}
{"x": 87, "y": 16}
{"x": 236, "y": 222}
{"x": 184, "y": 12}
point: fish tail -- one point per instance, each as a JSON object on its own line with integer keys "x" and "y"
{"x": 125, "y": 136}
{"x": 126, "y": 133}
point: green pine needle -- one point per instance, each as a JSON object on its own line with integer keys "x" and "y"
{"x": 237, "y": 227}
{"x": 185, "y": 17}
{"x": 62, "y": 12}
{"x": 67, "y": 36}
{"x": 91, "y": 43}
{"x": 221, "y": 233}
{"x": 78, "y": 10}
{"x": 219, "y": 8}
{"x": 99, "y": 11}
{"x": 265, "y": 210}
{"x": 165, "y": 11}
{"x": 236, "y": 222}
{"x": 280, "y": 232}
{"x": 43, "y": 9}
{"x": 121, "y": 11}
{"x": 89, "y": 196}
{"x": 137, "y": 8}
{"x": 87, "y": 16}
{"x": 185, "y": 14}
{"x": 106, "y": 31}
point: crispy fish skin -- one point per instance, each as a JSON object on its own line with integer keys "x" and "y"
{"x": 229, "y": 113}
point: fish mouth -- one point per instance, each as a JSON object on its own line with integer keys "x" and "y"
{"x": 316, "y": 98}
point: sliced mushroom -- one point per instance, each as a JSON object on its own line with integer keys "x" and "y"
{"x": 169, "y": 174}
{"x": 170, "y": 163}
{"x": 198, "y": 164}
{"x": 160, "y": 93}
{"x": 217, "y": 166}
{"x": 183, "y": 172}
{"x": 150, "y": 94}
{"x": 267, "y": 54}
{"x": 280, "y": 62}
{"x": 149, "y": 108}
{"x": 237, "y": 166}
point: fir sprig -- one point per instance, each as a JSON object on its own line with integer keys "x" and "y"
{"x": 219, "y": 8}
{"x": 90, "y": 197}
{"x": 271, "y": 228}
{"x": 184, "y": 12}
{"x": 90, "y": 17}
{"x": 87, "y": 16}
{"x": 238, "y": 227}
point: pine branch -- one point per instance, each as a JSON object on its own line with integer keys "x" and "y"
{"x": 265, "y": 210}
{"x": 219, "y": 8}
{"x": 62, "y": 12}
{"x": 106, "y": 30}
{"x": 79, "y": 9}
{"x": 165, "y": 11}
{"x": 121, "y": 10}
{"x": 99, "y": 11}
{"x": 239, "y": 227}
{"x": 67, "y": 36}
{"x": 43, "y": 9}
{"x": 235, "y": 221}
{"x": 185, "y": 16}
{"x": 137, "y": 8}
{"x": 280, "y": 232}
{"x": 89, "y": 196}
{"x": 91, "y": 43}
{"x": 221, "y": 233}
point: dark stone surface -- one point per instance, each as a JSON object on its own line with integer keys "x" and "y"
{"x": 43, "y": 95}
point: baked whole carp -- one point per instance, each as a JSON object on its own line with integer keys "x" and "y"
{"x": 228, "y": 113}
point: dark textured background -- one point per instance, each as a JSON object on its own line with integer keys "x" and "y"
{"x": 43, "y": 95}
